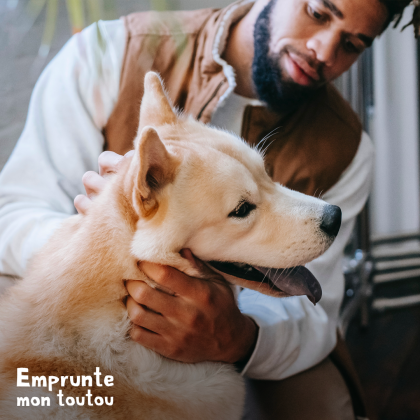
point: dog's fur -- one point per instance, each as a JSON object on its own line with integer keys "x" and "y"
{"x": 67, "y": 316}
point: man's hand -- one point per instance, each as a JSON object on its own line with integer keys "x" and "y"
{"x": 94, "y": 183}
{"x": 199, "y": 322}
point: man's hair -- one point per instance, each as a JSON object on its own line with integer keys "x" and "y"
{"x": 395, "y": 12}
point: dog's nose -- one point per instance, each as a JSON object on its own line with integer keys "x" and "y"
{"x": 331, "y": 220}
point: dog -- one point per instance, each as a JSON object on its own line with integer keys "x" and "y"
{"x": 187, "y": 185}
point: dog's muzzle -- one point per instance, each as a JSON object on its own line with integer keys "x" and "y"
{"x": 295, "y": 281}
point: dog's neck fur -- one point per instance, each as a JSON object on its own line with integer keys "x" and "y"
{"x": 86, "y": 295}
{"x": 99, "y": 257}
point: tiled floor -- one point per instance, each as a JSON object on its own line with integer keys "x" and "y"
{"x": 387, "y": 358}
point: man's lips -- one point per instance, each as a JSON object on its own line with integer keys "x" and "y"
{"x": 300, "y": 71}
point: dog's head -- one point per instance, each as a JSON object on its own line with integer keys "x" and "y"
{"x": 197, "y": 187}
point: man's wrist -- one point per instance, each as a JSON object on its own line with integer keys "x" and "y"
{"x": 251, "y": 338}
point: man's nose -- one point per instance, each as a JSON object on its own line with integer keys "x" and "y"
{"x": 325, "y": 46}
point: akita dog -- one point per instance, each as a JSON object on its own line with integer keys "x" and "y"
{"x": 186, "y": 186}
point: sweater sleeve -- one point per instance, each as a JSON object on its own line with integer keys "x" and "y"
{"x": 295, "y": 335}
{"x": 61, "y": 140}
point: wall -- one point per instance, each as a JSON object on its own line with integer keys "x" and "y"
{"x": 20, "y": 40}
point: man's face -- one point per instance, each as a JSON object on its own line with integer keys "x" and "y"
{"x": 302, "y": 44}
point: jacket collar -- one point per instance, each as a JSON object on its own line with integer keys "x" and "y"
{"x": 217, "y": 32}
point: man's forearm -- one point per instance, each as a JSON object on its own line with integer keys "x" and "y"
{"x": 61, "y": 141}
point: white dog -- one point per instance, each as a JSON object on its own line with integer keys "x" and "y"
{"x": 186, "y": 186}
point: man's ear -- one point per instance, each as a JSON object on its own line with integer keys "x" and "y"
{"x": 156, "y": 108}
{"x": 155, "y": 167}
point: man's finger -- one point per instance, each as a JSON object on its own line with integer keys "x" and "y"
{"x": 146, "y": 338}
{"x": 82, "y": 204}
{"x": 154, "y": 299}
{"x": 169, "y": 277}
{"x": 93, "y": 183}
{"x": 206, "y": 271}
{"x": 145, "y": 318}
{"x": 108, "y": 162}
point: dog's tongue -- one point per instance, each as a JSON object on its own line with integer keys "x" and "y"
{"x": 296, "y": 281}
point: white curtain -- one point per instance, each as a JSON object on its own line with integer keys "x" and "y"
{"x": 395, "y": 199}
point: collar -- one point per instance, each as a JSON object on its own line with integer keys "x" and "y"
{"x": 217, "y": 43}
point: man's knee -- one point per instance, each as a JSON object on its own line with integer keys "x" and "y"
{"x": 319, "y": 393}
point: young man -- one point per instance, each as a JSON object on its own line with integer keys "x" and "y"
{"x": 257, "y": 69}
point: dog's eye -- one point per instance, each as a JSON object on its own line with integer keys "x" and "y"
{"x": 243, "y": 210}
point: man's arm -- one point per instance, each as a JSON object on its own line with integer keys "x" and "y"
{"x": 61, "y": 140}
{"x": 294, "y": 335}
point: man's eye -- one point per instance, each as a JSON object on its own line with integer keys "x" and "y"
{"x": 242, "y": 210}
{"x": 350, "y": 47}
{"x": 316, "y": 15}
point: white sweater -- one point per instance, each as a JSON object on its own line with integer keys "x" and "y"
{"x": 62, "y": 139}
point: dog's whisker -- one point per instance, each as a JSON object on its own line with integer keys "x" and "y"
{"x": 272, "y": 283}
{"x": 262, "y": 152}
{"x": 261, "y": 143}
{"x": 265, "y": 275}
{"x": 270, "y": 133}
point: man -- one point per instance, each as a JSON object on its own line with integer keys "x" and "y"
{"x": 255, "y": 69}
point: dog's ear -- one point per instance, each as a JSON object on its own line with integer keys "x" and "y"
{"x": 155, "y": 167}
{"x": 156, "y": 108}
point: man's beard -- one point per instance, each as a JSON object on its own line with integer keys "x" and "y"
{"x": 280, "y": 95}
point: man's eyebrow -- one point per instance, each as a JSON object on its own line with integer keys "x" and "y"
{"x": 366, "y": 39}
{"x": 333, "y": 8}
